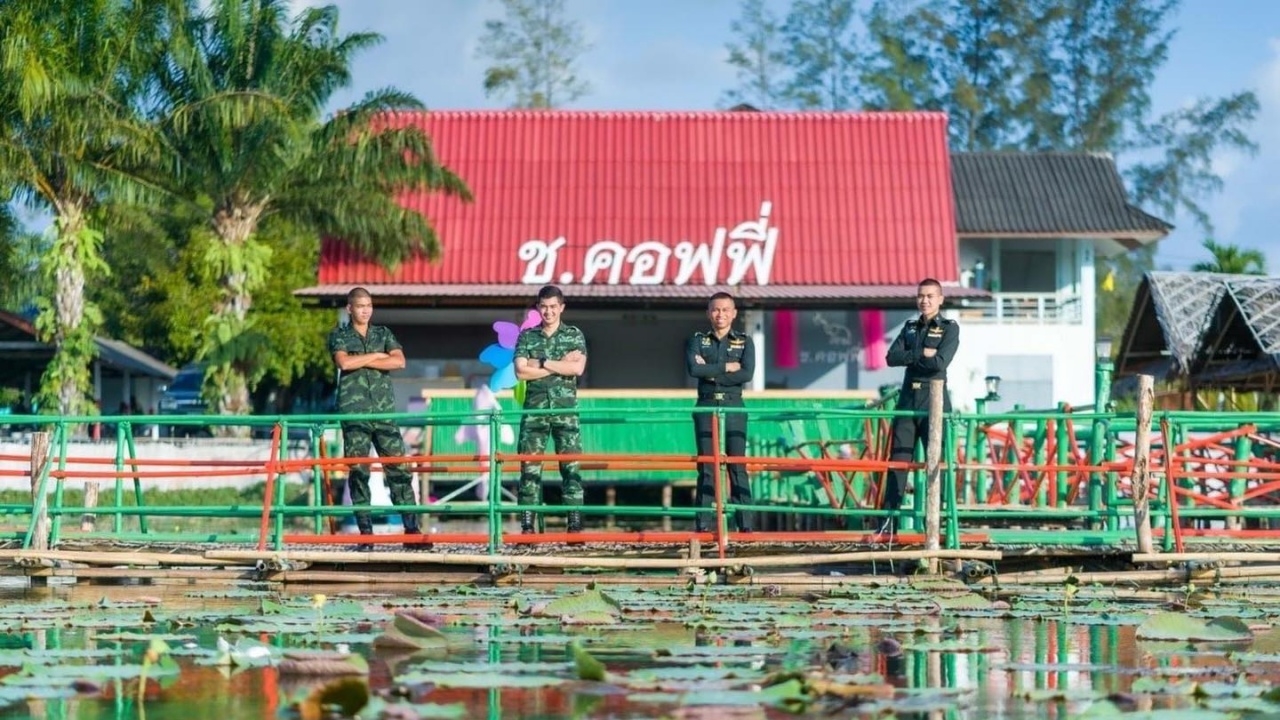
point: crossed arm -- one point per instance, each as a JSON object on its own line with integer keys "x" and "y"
{"x": 573, "y": 364}
{"x": 929, "y": 359}
{"x": 393, "y": 360}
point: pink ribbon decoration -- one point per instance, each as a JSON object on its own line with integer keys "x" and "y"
{"x": 786, "y": 340}
{"x": 873, "y": 339}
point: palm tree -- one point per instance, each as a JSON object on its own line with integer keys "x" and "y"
{"x": 243, "y": 102}
{"x": 1231, "y": 259}
{"x": 71, "y": 134}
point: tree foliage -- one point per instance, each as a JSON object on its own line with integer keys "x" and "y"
{"x": 758, "y": 56}
{"x": 1067, "y": 75}
{"x": 1231, "y": 259}
{"x": 242, "y": 103}
{"x": 72, "y": 80}
{"x": 533, "y": 54}
{"x": 822, "y": 54}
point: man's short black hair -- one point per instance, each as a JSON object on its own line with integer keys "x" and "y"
{"x": 550, "y": 292}
{"x": 721, "y": 296}
{"x": 357, "y": 293}
{"x": 930, "y": 282}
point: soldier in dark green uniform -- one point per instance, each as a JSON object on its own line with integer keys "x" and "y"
{"x": 925, "y": 347}
{"x": 723, "y": 360}
{"x": 364, "y": 354}
{"x": 550, "y": 358}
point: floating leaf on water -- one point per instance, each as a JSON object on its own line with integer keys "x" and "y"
{"x": 62, "y": 675}
{"x": 1108, "y": 710}
{"x": 1161, "y": 686}
{"x": 969, "y": 601}
{"x": 480, "y": 680}
{"x": 379, "y": 708}
{"x": 1040, "y": 695}
{"x": 587, "y": 607}
{"x": 321, "y": 663}
{"x": 789, "y": 694}
{"x": 1267, "y": 642}
{"x": 411, "y": 630}
{"x": 1240, "y": 688}
{"x": 693, "y": 672}
{"x": 515, "y": 668}
{"x": 1175, "y": 626}
{"x": 951, "y": 646}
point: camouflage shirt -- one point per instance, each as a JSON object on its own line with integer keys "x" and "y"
{"x": 364, "y": 390}
{"x": 553, "y": 391}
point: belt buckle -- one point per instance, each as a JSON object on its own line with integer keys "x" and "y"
{"x": 717, "y": 396}
{"x": 916, "y": 385}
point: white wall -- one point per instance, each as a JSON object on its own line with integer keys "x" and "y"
{"x": 1071, "y": 345}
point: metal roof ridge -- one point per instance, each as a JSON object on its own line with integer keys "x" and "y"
{"x": 742, "y": 116}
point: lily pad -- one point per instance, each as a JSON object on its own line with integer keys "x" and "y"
{"x": 412, "y": 630}
{"x": 1176, "y": 626}
{"x": 479, "y": 680}
{"x": 589, "y": 607}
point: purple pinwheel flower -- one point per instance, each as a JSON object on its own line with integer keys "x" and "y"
{"x": 502, "y": 354}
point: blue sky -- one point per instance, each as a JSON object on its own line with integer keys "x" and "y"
{"x": 669, "y": 54}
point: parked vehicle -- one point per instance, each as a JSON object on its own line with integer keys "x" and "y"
{"x": 183, "y": 397}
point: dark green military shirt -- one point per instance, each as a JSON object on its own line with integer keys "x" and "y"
{"x": 553, "y": 391}
{"x": 364, "y": 390}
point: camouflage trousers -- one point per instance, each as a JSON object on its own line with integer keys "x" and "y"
{"x": 357, "y": 439}
{"x": 534, "y": 431}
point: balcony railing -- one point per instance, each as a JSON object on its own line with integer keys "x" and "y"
{"x": 1023, "y": 309}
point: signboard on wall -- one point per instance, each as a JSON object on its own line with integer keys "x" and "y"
{"x": 730, "y": 258}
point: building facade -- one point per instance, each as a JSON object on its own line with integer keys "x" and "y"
{"x": 821, "y": 224}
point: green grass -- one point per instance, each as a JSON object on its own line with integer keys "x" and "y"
{"x": 249, "y": 496}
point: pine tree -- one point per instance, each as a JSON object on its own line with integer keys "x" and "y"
{"x": 821, "y": 51}
{"x": 759, "y": 56}
{"x": 533, "y": 53}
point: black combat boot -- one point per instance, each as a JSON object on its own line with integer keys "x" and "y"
{"x": 365, "y": 525}
{"x": 526, "y": 522}
{"x": 411, "y": 527}
{"x": 575, "y": 521}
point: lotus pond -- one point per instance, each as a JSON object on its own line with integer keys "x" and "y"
{"x": 925, "y": 648}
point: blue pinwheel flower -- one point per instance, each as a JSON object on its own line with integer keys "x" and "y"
{"x": 502, "y": 354}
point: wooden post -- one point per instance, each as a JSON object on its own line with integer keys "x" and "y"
{"x": 88, "y": 520}
{"x": 39, "y": 463}
{"x": 933, "y": 473}
{"x": 1142, "y": 464}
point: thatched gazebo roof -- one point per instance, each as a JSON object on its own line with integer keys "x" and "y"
{"x": 1210, "y": 329}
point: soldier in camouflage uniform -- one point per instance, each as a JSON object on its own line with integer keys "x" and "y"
{"x": 550, "y": 358}
{"x": 364, "y": 354}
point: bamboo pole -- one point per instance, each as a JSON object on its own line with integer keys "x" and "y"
{"x": 1177, "y": 576}
{"x": 933, "y": 474}
{"x": 549, "y": 561}
{"x": 113, "y": 558}
{"x": 39, "y": 463}
{"x": 1149, "y": 557}
{"x": 1142, "y": 464}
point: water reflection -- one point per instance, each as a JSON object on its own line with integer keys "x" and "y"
{"x": 946, "y": 668}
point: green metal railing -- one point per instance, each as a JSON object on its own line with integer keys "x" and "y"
{"x": 1005, "y": 477}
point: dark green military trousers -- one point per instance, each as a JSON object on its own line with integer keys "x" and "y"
{"x": 358, "y": 438}
{"x": 534, "y": 431}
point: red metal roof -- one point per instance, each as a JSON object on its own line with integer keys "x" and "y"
{"x": 703, "y": 198}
